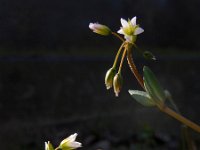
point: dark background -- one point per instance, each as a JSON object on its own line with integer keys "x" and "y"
{"x": 52, "y": 71}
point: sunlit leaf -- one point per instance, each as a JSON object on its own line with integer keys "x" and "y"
{"x": 142, "y": 97}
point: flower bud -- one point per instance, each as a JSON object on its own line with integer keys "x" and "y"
{"x": 117, "y": 83}
{"x": 48, "y": 146}
{"x": 149, "y": 55}
{"x": 109, "y": 77}
{"x": 100, "y": 29}
{"x": 69, "y": 143}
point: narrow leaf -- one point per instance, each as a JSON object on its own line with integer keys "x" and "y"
{"x": 152, "y": 85}
{"x": 142, "y": 97}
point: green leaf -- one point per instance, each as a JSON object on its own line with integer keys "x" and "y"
{"x": 152, "y": 85}
{"x": 142, "y": 98}
{"x": 148, "y": 55}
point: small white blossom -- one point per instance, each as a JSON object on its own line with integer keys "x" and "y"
{"x": 70, "y": 143}
{"x": 99, "y": 29}
{"x": 130, "y": 29}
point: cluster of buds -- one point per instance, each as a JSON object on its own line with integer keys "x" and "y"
{"x": 113, "y": 79}
{"x": 130, "y": 30}
{"x": 67, "y": 144}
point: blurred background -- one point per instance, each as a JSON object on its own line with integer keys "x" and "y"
{"x": 52, "y": 70}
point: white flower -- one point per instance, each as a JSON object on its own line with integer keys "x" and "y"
{"x": 99, "y": 29}
{"x": 70, "y": 143}
{"x": 130, "y": 29}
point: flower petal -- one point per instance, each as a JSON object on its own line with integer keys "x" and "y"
{"x": 75, "y": 145}
{"x": 71, "y": 138}
{"x": 138, "y": 30}
{"x": 46, "y": 146}
{"x": 124, "y": 22}
{"x": 133, "y": 21}
{"x": 120, "y": 31}
{"x": 91, "y": 26}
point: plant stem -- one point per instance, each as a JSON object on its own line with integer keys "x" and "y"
{"x": 122, "y": 60}
{"x": 133, "y": 68}
{"x": 118, "y": 36}
{"x": 180, "y": 118}
{"x": 117, "y": 55}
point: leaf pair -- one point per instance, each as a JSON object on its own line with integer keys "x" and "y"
{"x": 154, "y": 94}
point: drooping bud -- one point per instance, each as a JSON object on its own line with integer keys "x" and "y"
{"x": 48, "y": 146}
{"x": 109, "y": 77}
{"x": 117, "y": 83}
{"x": 100, "y": 29}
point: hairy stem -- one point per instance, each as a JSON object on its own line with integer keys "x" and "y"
{"x": 133, "y": 68}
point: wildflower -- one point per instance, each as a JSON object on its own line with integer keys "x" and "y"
{"x": 48, "y": 146}
{"x": 69, "y": 143}
{"x": 130, "y": 29}
{"x": 117, "y": 83}
{"x": 99, "y": 29}
{"x": 109, "y": 77}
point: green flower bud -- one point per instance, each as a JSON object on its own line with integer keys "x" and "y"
{"x": 117, "y": 83}
{"x": 100, "y": 29}
{"x": 149, "y": 55}
{"x": 48, "y": 146}
{"x": 109, "y": 77}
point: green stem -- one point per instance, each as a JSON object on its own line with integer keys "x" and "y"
{"x": 117, "y": 55}
{"x": 122, "y": 60}
{"x": 180, "y": 118}
{"x": 118, "y": 36}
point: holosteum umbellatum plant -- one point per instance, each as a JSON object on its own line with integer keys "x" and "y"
{"x": 153, "y": 94}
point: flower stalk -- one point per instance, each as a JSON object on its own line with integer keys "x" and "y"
{"x": 133, "y": 67}
{"x": 118, "y": 54}
{"x": 118, "y": 36}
